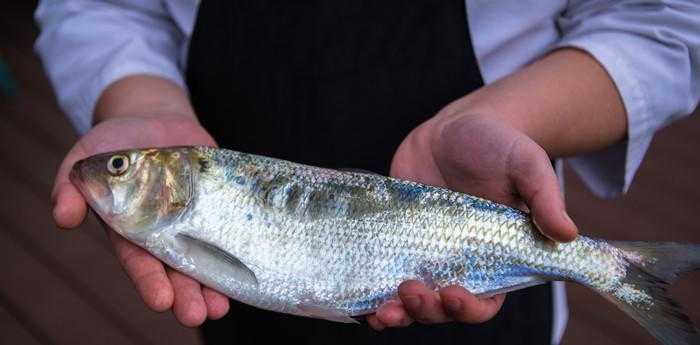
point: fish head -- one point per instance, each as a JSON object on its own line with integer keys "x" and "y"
{"x": 135, "y": 191}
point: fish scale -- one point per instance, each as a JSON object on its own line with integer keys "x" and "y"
{"x": 336, "y": 244}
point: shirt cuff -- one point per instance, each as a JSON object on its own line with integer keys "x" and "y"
{"x": 610, "y": 171}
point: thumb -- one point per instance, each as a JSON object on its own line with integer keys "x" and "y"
{"x": 69, "y": 208}
{"x": 531, "y": 172}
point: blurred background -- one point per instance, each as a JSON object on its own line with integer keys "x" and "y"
{"x": 66, "y": 287}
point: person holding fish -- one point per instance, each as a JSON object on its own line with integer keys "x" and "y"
{"x": 478, "y": 97}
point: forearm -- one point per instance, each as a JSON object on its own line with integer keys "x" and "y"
{"x": 143, "y": 95}
{"x": 566, "y": 102}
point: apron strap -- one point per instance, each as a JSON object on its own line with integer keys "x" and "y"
{"x": 339, "y": 83}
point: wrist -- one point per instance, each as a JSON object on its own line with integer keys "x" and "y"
{"x": 474, "y": 110}
{"x": 143, "y": 96}
{"x": 565, "y": 102}
{"x": 478, "y": 105}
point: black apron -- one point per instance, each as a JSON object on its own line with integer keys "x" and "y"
{"x": 339, "y": 83}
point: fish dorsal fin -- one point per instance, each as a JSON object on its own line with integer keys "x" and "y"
{"x": 359, "y": 171}
{"x": 322, "y": 312}
{"x": 207, "y": 254}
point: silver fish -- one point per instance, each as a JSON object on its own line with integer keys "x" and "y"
{"x": 336, "y": 244}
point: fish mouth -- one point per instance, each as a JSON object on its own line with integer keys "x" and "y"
{"x": 75, "y": 176}
{"x": 95, "y": 192}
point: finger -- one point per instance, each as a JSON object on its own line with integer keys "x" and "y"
{"x": 146, "y": 272}
{"x": 462, "y": 306}
{"x": 374, "y": 322}
{"x": 421, "y": 303}
{"x": 69, "y": 208}
{"x": 535, "y": 181}
{"x": 393, "y": 314}
{"x": 217, "y": 304}
{"x": 189, "y": 306}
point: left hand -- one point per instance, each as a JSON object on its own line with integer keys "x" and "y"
{"x": 483, "y": 156}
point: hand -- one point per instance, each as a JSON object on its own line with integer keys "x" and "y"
{"x": 484, "y": 157}
{"x": 161, "y": 288}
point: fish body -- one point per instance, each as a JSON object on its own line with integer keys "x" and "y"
{"x": 333, "y": 244}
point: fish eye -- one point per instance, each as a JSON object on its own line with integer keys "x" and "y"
{"x": 118, "y": 164}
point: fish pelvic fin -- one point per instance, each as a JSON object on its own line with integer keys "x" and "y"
{"x": 522, "y": 283}
{"x": 325, "y": 313}
{"x": 644, "y": 296}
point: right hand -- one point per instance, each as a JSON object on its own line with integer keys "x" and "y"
{"x": 161, "y": 288}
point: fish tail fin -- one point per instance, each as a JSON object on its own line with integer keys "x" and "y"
{"x": 665, "y": 260}
{"x": 653, "y": 267}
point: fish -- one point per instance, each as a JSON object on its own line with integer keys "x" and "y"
{"x": 335, "y": 244}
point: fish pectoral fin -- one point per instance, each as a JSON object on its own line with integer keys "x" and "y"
{"x": 208, "y": 254}
{"x": 528, "y": 282}
{"x": 326, "y": 313}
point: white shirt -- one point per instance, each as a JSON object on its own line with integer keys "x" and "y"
{"x": 650, "y": 49}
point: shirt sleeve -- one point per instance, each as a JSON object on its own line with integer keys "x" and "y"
{"x": 651, "y": 50}
{"x": 86, "y": 45}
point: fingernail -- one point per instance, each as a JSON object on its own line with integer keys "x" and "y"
{"x": 534, "y": 221}
{"x": 412, "y": 302}
{"x": 453, "y": 305}
{"x": 566, "y": 217}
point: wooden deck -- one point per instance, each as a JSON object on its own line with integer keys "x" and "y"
{"x": 67, "y": 288}
{"x": 58, "y": 287}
